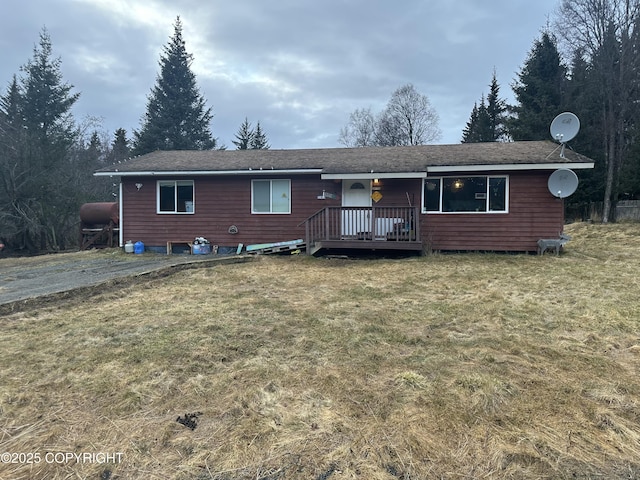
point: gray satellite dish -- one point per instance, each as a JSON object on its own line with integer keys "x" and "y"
{"x": 562, "y": 183}
{"x": 565, "y": 127}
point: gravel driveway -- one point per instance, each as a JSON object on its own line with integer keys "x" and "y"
{"x": 24, "y": 280}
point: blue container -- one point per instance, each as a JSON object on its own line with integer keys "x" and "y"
{"x": 138, "y": 247}
{"x": 201, "y": 249}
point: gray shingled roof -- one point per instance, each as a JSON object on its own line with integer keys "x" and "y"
{"x": 352, "y": 160}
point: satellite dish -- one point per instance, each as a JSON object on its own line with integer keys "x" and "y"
{"x": 565, "y": 127}
{"x": 562, "y": 183}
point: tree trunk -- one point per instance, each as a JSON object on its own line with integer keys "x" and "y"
{"x": 608, "y": 190}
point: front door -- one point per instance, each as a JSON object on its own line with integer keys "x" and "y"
{"x": 356, "y": 221}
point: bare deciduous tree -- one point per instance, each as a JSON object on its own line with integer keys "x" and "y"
{"x": 360, "y": 131}
{"x": 408, "y": 119}
{"x": 414, "y": 119}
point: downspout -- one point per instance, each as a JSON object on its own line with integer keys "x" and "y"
{"x": 120, "y": 222}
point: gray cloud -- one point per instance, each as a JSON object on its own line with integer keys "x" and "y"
{"x": 299, "y": 67}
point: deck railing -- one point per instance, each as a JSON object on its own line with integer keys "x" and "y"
{"x": 388, "y": 224}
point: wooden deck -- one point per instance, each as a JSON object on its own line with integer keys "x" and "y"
{"x": 363, "y": 228}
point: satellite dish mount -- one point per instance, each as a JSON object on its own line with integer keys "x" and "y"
{"x": 564, "y": 128}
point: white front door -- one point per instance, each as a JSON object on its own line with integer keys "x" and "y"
{"x": 356, "y": 193}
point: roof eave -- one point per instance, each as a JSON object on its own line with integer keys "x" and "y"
{"x": 508, "y": 167}
{"x": 200, "y": 173}
{"x": 371, "y": 175}
{"x": 352, "y": 175}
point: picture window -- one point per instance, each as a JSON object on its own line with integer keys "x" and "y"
{"x": 471, "y": 194}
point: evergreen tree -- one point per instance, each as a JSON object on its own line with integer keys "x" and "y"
{"x": 496, "y": 108}
{"x": 478, "y": 127}
{"x": 606, "y": 68}
{"x": 176, "y": 116}
{"x": 94, "y": 153}
{"x": 120, "y": 149}
{"x": 46, "y": 100}
{"x": 583, "y": 92}
{"x": 96, "y": 149}
{"x": 486, "y": 123}
{"x": 469, "y": 133}
{"x": 12, "y": 146}
{"x": 607, "y": 33}
{"x": 259, "y": 139}
{"x": 539, "y": 91}
{"x": 10, "y": 106}
{"x": 630, "y": 171}
{"x": 244, "y": 136}
{"x": 248, "y": 138}
{"x": 38, "y": 133}
{"x": 485, "y": 132}
{"x": 10, "y": 127}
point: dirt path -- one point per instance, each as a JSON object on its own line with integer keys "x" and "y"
{"x": 25, "y": 280}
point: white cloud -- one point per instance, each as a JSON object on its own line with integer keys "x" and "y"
{"x": 299, "y": 67}
{"x": 148, "y": 13}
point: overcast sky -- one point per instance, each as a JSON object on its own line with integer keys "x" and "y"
{"x": 300, "y": 67}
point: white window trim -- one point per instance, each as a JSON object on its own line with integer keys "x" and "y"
{"x": 486, "y": 212}
{"x": 175, "y": 198}
{"x": 271, "y": 180}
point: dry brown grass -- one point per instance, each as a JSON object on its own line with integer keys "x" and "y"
{"x": 445, "y": 366}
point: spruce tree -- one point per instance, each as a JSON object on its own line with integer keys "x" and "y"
{"x": 248, "y": 138}
{"x": 38, "y": 206}
{"x": 12, "y": 145}
{"x": 469, "y": 133}
{"x": 176, "y": 116}
{"x": 496, "y": 108}
{"x": 484, "y": 130}
{"x": 244, "y": 136}
{"x": 46, "y": 100}
{"x": 10, "y": 106}
{"x": 539, "y": 91}
{"x": 120, "y": 149}
{"x": 583, "y": 99}
{"x": 479, "y": 128}
{"x": 259, "y": 139}
{"x": 95, "y": 148}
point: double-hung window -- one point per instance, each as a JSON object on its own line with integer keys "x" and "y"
{"x": 175, "y": 196}
{"x": 472, "y": 194}
{"x": 271, "y": 196}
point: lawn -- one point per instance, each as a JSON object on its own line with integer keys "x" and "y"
{"x": 444, "y": 366}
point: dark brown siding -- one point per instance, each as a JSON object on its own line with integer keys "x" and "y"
{"x": 400, "y": 192}
{"x": 221, "y": 202}
{"x": 533, "y": 214}
{"x": 224, "y": 201}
